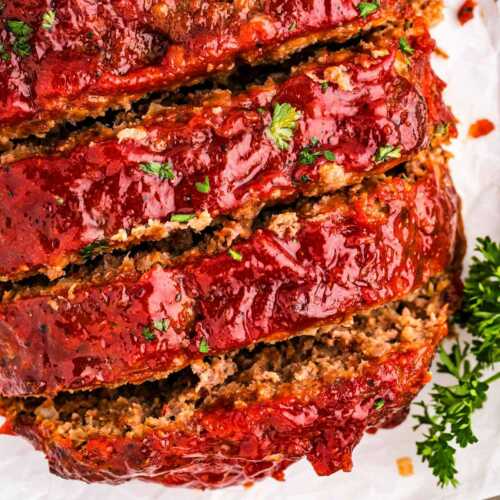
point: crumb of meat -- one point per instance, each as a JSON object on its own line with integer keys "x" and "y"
{"x": 340, "y": 76}
{"x": 138, "y": 134}
{"x": 332, "y": 175}
{"x": 285, "y": 225}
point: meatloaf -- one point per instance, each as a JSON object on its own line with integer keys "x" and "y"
{"x": 150, "y": 315}
{"x": 349, "y": 114}
{"x": 79, "y": 59}
{"x": 250, "y": 414}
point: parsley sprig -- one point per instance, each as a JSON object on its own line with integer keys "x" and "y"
{"x": 283, "y": 124}
{"x": 447, "y": 420}
{"x": 22, "y": 33}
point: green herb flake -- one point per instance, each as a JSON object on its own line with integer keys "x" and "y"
{"x": 324, "y": 86}
{"x": 307, "y": 157}
{"x": 329, "y": 155}
{"x": 261, "y": 110}
{"x": 314, "y": 141}
{"x": 235, "y": 255}
{"x": 182, "y": 218}
{"x": 405, "y": 46}
{"x": 388, "y": 152}
{"x": 48, "y": 20}
{"x": 379, "y": 404}
{"x": 161, "y": 324}
{"x": 93, "y": 248}
{"x": 305, "y": 179}
{"x": 203, "y": 348}
{"x": 148, "y": 334}
{"x": 203, "y": 187}
{"x": 22, "y": 33}
{"x": 367, "y": 8}
{"x": 283, "y": 124}
{"x": 164, "y": 170}
{"x": 447, "y": 419}
{"x": 4, "y": 55}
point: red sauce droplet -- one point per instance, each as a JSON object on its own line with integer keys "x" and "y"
{"x": 466, "y": 11}
{"x": 480, "y": 128}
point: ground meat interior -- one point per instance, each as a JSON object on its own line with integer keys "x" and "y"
{"x": 297, "y": 366}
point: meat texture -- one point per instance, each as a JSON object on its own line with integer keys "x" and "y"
{"x": 78, "y": 59}
{"x": 348, "y": 253}
{"x": 247, "y": 428}
{"x": 348, "y": 114}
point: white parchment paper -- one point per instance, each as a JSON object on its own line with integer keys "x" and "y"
{"x": 472, "y": 72}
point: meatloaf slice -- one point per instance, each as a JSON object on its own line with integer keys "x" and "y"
{"x": 303, "y": 269}
{"x": 347, "y": 114}
{"x": 246, "y": 415}
{"x": 87, "y": 57}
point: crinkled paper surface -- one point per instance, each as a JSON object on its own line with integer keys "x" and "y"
{"x": 472, "y": 72}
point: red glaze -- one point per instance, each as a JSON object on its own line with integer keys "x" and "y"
{"x": 352, "y": 257}
{"x": 98, "y": 53}
{"x": 51, "y": 207}
{"x": 481, "y": 128}
{"x": 223, "y": 446}
{"x": 466, "y": 11}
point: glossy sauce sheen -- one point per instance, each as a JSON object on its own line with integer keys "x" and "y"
{"x": 98, "y": 52}
{"x": 382, "y": 244}
{"x": 223, "y": 446}
{"x": 52, "y": 207}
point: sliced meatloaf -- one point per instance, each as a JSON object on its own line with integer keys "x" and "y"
{"x": 343, "y": 116}
{"x": 78, "y": 59}
{"x": 243, "y": 416}
{"x": 301, "y": 270}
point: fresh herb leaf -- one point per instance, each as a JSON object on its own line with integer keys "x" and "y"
{"x": 203, "y": 187}
{"x": 447, "y": 419}
{"x": 182, "y": 218}
{"x": 307, "y": 157}
{"x": 48, "y": 20}
{"x": 385, "y": 153}
{"x": 148, "y": 334}
{"x": 161, "y": 324}
{"x": 324, "y": 86}
{"x": 305, "y": 179}
{"x": 235, "y": 255}
{"x": 93, "y": 248}
{"x": 283, "y": 124}
{"x": 329, "y": 155}
{"x": 367, "y": 8}
{"x": 314, "y": 141}
{"x": 405, "y": 46}
{"x": 203, "y": 348}
{"x": 4, "y": 55}
{"x": 22, "y": 33}
{"x": 379, "y": 404}
{"x": 19, "y": 28}
{"x": 164, "y": 170}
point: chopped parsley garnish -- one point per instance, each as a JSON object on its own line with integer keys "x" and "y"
{"x": 235, "y": 255}
{"x": 307, "y": 157}
{"x": 183, "y": 218}
{"x": 314, "y": 141}
{"x": 93, "y": 248}
{"x": 261, "y": 110}
{"x": 283, "y": 124}
{"x": 442, "y": 128}
{"x": 4, "y": 55}
{"x": 148, "y": 334}
{"x": 367, "y": 8}
{"x": 329, "y": 155}
{"x": 324, "y": 86}
{"x": 305, "y": 179}
{"x": 22, "y": 33}
{"x": 161, "y": 324}
{"x": 164, "y": 170}
{"x": 447, "y": 419}
{"x": 405, "y": 46}
{"x": 379, "y": 404}
{"x": 48, "y": 20}
{"x": 203, "y": 345}
{"x": 388, "y": 152}
{"x": 203, "y": 187}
